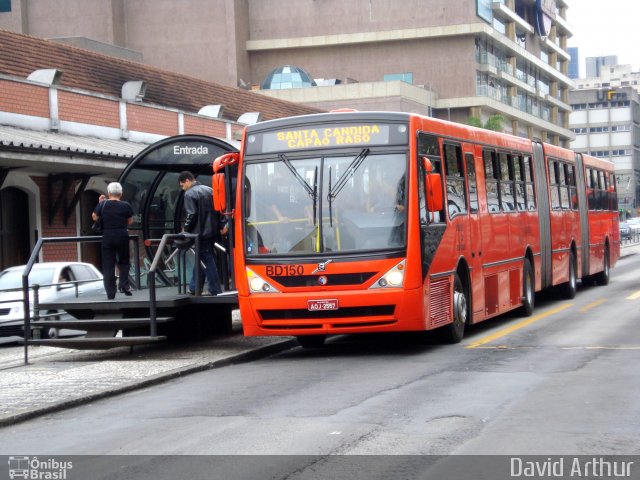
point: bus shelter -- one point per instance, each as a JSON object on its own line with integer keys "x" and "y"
{"x": 150, "y": 185}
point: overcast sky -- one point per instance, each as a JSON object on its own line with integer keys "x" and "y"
{"x": 609, "y": 27}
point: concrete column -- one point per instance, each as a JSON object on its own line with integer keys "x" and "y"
{"x": 24, "y": 16}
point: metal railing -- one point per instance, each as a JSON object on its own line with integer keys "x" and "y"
{"x": 32, "y": 260}
{"x": 180, "y": 270}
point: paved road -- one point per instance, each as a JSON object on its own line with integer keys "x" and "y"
{"x": 564, "y": 381}
{"x": 59, "y": 378}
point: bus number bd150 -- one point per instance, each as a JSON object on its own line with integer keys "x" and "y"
{"x": 285, "y": 270}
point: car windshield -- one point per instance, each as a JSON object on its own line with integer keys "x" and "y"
{"x": 10, "y": 279}
{"x": 325, "y": 204}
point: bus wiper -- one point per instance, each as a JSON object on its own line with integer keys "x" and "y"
{"x": 346, "y": 176}
{"x": 342, "y": 181}
{"x": 310, "y": 190}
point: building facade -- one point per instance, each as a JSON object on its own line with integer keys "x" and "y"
{"x": 606, "y": 122}
{"x": 596, "y": 65}
{"x": 454, "y": 59}
{"x": 68, "y": 130}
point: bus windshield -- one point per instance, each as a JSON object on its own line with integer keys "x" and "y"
{"x": 318, "y": 204}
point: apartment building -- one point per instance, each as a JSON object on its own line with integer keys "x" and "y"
{"x": 453, "y": 59}
{"x": 606, "y": 122}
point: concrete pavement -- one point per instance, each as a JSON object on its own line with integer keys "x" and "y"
{"x": 56, "y": 378}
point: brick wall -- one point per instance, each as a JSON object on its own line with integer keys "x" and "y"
{"x": 152, "y": 120}
{"x": 24, "y": 98}
{"x": 204, "y": 126}
{"x": 77, "y": 107}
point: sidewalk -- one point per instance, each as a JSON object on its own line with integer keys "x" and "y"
{"x": 57, "y": 378}
{"x": 629, "y": 248}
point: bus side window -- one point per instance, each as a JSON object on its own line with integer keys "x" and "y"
{"x": 528, "y": 178}
{"x": 553, "y": 185}
{"x": 564, "y": 186}
{"x": 491, "y": 180}
{"x": 571, "y": 186}
{"x": 506, "y": 184}
{"x": 471, "y": 182}
{"x": 592, "y": 186}
{"x": 456, "y": 191}
{"x": 428, "y": 146}
{"x": 602, "y": 203}
{"x": 612, "y": 193}
{"x": 518, "y": 176}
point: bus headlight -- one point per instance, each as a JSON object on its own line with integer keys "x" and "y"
{"x": 394, "y": 278}
{"x": 258, "y": 285}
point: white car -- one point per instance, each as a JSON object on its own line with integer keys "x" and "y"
{"x": 634, "y": 224}
{"x": 59, "y": 281}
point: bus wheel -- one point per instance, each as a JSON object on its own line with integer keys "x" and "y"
{"x": 454, "y": 332}
{"x": 311, "y": 341}
{"x": 568, "y": 289}
{"x": 528, "y": 289}
{"x": 602, "y": 278}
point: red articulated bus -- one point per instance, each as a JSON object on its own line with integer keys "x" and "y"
{"x": 357, "y": 222}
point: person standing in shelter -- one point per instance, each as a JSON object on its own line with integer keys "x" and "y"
{"x": 116, "y": 215}
{"x": 201, "y": 218}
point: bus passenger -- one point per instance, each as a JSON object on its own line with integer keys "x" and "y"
{"x": 116, "y": 216}
{"x": 201, "y": 218}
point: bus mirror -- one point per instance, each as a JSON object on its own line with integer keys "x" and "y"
{"x": 434, "y": 192}
{"x": 225, "y": 160}
{"x": 219, "y": 193}
{"x": 427, "y": 164}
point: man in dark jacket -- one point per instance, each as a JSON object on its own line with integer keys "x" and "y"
{"x": 201, "y": 218}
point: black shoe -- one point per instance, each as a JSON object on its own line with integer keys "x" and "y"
{"x": 127, "y": 291}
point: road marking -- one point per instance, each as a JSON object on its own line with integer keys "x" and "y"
{"x": 593, "y": 305}
{"x": 635, "y": 296}
{"x": 506, "y": 331}
{"x": 559, "y": 347}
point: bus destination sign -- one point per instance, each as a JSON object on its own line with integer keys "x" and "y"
{"x": 323, "y": 137}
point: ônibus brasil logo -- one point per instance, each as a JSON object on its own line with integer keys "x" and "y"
{"x": 33, "y": 468}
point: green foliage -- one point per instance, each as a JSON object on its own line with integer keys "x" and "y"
{"x": 474, "y": 122}
{"x": 494, "y": 122}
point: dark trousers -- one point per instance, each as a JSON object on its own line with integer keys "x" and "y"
{"x": 115, "y": 251}
{"x": 210, "y": 270}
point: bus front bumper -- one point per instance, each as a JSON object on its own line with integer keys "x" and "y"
{"x": 332, "y": 313}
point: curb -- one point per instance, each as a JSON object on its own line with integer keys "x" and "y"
{"x": 244, "y": 357}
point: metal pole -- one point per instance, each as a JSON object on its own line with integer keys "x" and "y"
{"x": 136, "y": 255}
{"x": 152, "y": 304}
{"x": 196, "y": 265}
{"x": 27, "y": 319}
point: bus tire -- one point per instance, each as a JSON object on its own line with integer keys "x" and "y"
{"x": 528, "y": 289}
{"x": 454, "y": 332}
{"x": 311, "y": 341}
{"x": 568, "y": 289}
{"x": 602, "y": 278}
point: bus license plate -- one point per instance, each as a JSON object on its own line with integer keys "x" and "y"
{"x": 322, "y": 305}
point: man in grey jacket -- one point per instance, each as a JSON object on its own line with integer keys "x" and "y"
{"x": 201, "y": 218}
